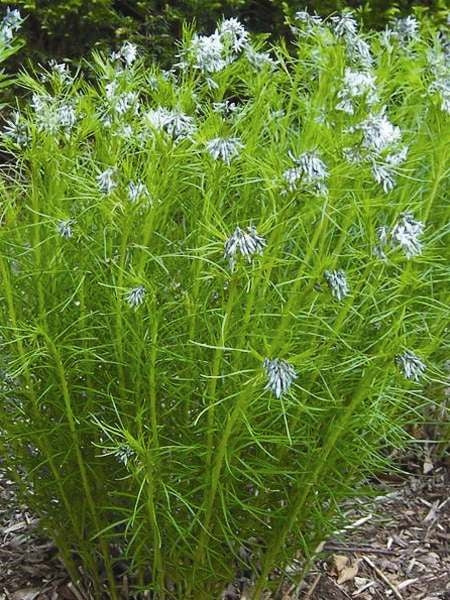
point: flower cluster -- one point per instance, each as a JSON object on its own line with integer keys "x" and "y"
{"x": 16, "y": 129}
{"x": 308, "y": 20}
{"x": 10, "y": 24}
{"x": 64, "y": 228}
{"x": 224, "y": 149}
{"x": 107, "y": 180}
{"x": 176, "y": 124}
{"x": 406, "y": 29}
{"x": 212, "y": 53}
{"x": 439, "y": 61}
{"x": 53, "y": 115}
{"x": 381, "y": 148}
{"x": 337, "y": 283}
{"x": 246, "y": 243}
{"x": 137, "y": 191}
{"x": 356, "y": 84}
{"x": 122, "y": 102}
{"x": 405, "y": 235}
{"x": 126, "y": 54}
{"x": 411, "y": 365}
{"x": 136, "y": 296}
{"x": 280, "y": 374}
{"x": 58, "y": 71}
{"x": 309, "y": 172}
{"x": 346, "y": 28}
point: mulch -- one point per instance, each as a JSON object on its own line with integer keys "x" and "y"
{"x": 396, "y": 546}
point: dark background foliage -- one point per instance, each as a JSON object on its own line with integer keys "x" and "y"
{"x": 71, "y": 28}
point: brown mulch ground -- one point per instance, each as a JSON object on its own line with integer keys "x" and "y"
{"x": 395, "y": 547}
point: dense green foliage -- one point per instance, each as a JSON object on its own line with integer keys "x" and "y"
{"x": 222, "y": 295}
{"x": 70, "y": 28}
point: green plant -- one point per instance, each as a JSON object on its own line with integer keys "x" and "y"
{"x": 181, "y": 414}
{"x": 72, "y": 28}
{"x": 9, "y": 42}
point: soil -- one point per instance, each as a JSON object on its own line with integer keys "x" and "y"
{"x": 396, "y": 546}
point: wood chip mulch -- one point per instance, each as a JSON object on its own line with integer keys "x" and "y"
{"x": 395, "y": 547}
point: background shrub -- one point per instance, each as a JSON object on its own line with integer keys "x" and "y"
{"x": 223, "y": 295}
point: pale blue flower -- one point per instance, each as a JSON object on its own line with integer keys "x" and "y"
{"x": 280, "y": 374}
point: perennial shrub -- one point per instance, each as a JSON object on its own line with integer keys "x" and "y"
{"x": 223, "y": 295}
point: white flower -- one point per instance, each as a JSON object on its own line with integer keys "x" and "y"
{"x": 386, "y": 38}
{"x": 226, "y": 107}
{"x": 407, "y": 28}
{"x": 67, "y": 116}
{"x": 137, "y": 191}
{"x": 310, "y": 171}
{"x": 291, "y": 177}
{"x": 107, "y": 180}
{"x": 378, "y": 132}
{"x": 383, "y": 175}
{"x": 280, "y": 375}
{"x": 355, "y": 85}
{"x": 406, "y": 234}
{"x": 397, "y": 158}
{"x": 259, "y": 60}
{"x": 127, "y": 53}
{"x": 233, "y": 34}
{"x": 224, "y": 149}
{"x": 208, "y": 53}
{"x": 128, "y": 101}
{"x": 358, "y": 51}
{"x": 111, "y": 89}
{"x": 61, "y": 71}
{"x": 136, "y": 296}
{"x": 344, "y": 25}
{"x": 441, "y": 86}
{"x": 382, "y": 233}
{"x": 358, "y": 83}
{"x": 64, "y": 228}
{"x": 411, "y": 365}
{"x": 384, "y": 172}
{"x": 212, "y": 53}
{"x": 247, "y": 243}
{"x": 180, "y": 126}
{"x": 176, "y": 124}
{"x": 337, "y": 283}
{"x": 16, "y": 129}
{"x": 124, "y": 454}
{"x": 310, "y": 20}
{"x": 10, "y": 24}
{"x": 345, "y": 104}
{"x": 352, "y": 155}
{"x": 158, "y": 118}
{"x": 312, "y": 166}
{"x": 51, "y": 115}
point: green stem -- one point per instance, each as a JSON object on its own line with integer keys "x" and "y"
{"x": 77, "y": 446}
{"x": 303, "y": 493}
{"x": 158, "y": 566}
{"x": 43, "y": 439}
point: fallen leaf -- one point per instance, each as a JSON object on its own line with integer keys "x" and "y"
{"x": 427, "y": 465}
{"x": 348, "y": 573}
{"x": 340, "y": 561}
